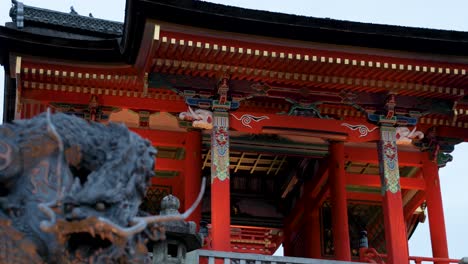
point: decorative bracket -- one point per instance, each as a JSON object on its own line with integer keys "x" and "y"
{"x": 220, "y": 102}
{"x": 405, "y": 137}
{"x": 438, "y": 147}
{"x": 200, "y": 118}
{"x": 389, "y": 117}
{"x": 93, "y": 111}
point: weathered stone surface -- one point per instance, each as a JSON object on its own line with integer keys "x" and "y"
{"x": 70, "y": 192}
{"x": 181, "y": 236}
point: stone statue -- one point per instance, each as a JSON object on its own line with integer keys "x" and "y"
{"x": 70, "y": 192}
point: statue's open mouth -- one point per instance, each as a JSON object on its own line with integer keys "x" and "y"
{"x": 88, "y": 239}
{"x": 99, "y": 239}
{"x": 84, "y": 244}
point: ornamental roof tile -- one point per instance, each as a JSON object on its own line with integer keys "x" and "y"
{"x": 21, "y": 14}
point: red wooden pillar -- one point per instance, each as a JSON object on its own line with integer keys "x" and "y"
{"x": 220, "y": 192}
{"x": 435, "y": 210}
{"x": 287, "y": 245}
{"x": 337, "y": 179}
{"x": 395, "y": 228}
{"x": 314, "y": 244}
{"x": 192, "y": 173}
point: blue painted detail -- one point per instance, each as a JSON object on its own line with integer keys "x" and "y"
{"x": 395, "y": 120}
{"x": 207, "y": 103}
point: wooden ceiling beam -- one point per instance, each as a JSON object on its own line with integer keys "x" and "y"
{"x": 49, "y": 96}
{"x": 364, "y": 197}
{"x": 369, "y": 155}
{"x": 162, "y": 138}
{"x": 315, "y": 191}
{"x": 169, "y": 164}
{"x": 414, "y": 203}
{"x": 368, "y": 180}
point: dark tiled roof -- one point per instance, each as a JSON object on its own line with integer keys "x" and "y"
{"x": 28, "y": 14}
{"x": 315, "y": 22}
{"x": 277, "y": 25}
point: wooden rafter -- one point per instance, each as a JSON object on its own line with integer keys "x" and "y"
{"x": 280, "y": 165}
{"x": 239, "y": 162}
{"x": 256, "y": 163}
{"x": 271, "y": 165}
{"x": 207, "y": 157}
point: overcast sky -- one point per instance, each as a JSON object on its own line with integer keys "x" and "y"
{"x": 447, "y": 14}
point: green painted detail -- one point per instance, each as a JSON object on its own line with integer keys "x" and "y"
{"x": 443, "y": 159}
{"x": 220, "y": 147}
{"x": 161, "y": 82}
{"x": 170, "y": 152}
{"x": 166, "y": 174}
{"x": 362, "y": 189}
{"x": 185, "y": 124}
{"x": 306, "y": 109}
{"x": 218, "y": 105}
{"x": 408, "y": 172}
{"x": 388, "y": 157}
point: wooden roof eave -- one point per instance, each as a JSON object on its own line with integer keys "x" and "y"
{"x": 303, "y": 60}
{"x": 262, "y": 23}
{"x": 16, "y": 41}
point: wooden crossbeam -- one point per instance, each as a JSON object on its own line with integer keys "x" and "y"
{"x": 48, "y": 96}
{"x": 162, "y": 138}
{"x": 169, "y": 164}
{"x": 365, "y": 197}
{"x": 271, "y": 165}
{"x": 414, "y": 203}
{"x": 239, "y": 162}
{"x": 315, "y": 191}
{"x": 205, "y": 161}
{"x": 369, "y": 180}
{"x": 280, "y": 165}
{"x": 369, "y": 155}
{"x": 255, "y": 164}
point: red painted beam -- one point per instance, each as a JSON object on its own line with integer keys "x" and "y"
{"x": 161, "y": 137}
{"x": 365, "y": 197}
{"x": 369, "y": 155}
{"x": 329, "y": 129}
{"x": 169, "y": 164}
{"x": 452, "y": 132}
{"x": 374, "y": 181}
{"x": 48, "y": 96}
{"x": 312, "y": 206}
{"x": 321, "y": 196}
{"x": 413, "y": 204}
{"x": 312, "y": 188}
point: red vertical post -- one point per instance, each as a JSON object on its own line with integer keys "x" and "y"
{"x": 220, "y": 191}
{"x": 435, "y": 210}
{"x": 314, "y": 243}
{"x": 192, "y": 173}
{"x": 339, "y": 208}
{"x": 395, "y": 227}
{"x": 287, "y": 245}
